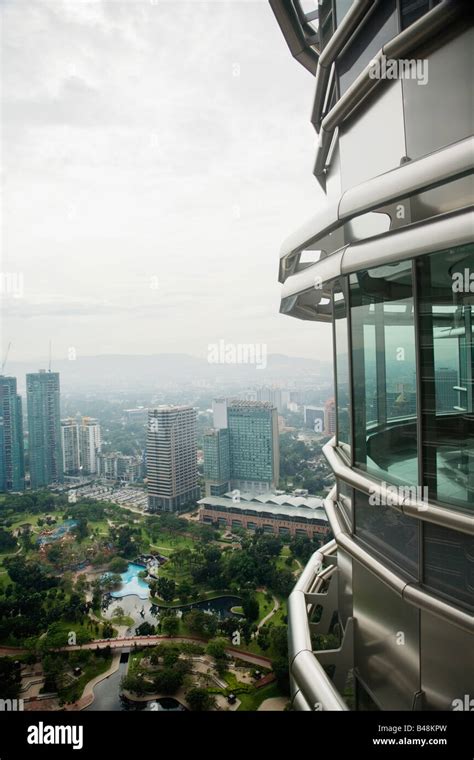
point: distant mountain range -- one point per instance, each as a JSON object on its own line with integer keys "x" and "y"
{"x": 124, "y": 372}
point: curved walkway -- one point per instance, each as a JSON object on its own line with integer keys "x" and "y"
{"x": 88, "y": 693}
{"x": 276, "y": 607}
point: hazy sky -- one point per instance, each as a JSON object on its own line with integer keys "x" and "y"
{"x": 155, "y": 156}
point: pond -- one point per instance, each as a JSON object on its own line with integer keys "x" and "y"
{"x": 57, "y": 532}
{"x": 144, "y": 611}
{"x": 107, "y": 696}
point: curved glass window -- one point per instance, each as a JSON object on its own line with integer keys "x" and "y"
{"x": 384, "y": 373}
{"x": 446, "y": 319}
{"x": 448, "y": 564}
{"x": 393, "y": 535}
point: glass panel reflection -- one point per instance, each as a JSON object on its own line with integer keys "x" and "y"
{"x": 384, "y": 372}
{"x": 446, "y": 304}
{"x": 394, "y": 535}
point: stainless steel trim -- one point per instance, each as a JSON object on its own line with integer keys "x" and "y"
{"x": 411, "y": 592}
{"x": 299, "y": 43}
{"x": 444, "y": 231}
{"x": 448, "y": 230}
{"x": 403, "y": 44}
{"x": 314, "y": 689}
{"x": 352, "y": 19}
{"x": 444, "y": 165}
{"x": 432, "y": 513}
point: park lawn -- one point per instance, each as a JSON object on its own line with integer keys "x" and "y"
{"x": 75, "y": 690}
{"x": 122, "y": 620}
{"x": 251, "y": 702}
{"x": 28, "y": 517}
{"x": 168, "y": 541}
{"x": 265, "y": 606}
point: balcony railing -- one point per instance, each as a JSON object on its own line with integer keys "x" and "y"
{"x": 316, "y": 591}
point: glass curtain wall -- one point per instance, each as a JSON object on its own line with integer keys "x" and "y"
{"x": 384, "y": 373}
{"x": 446, "y": 311}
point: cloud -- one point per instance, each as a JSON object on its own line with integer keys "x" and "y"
{"x": 167, "y": 140}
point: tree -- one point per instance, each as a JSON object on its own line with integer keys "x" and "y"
{"x": 168, "y": 680}
{"x": 165, "y": 588}
{"x": 110, "y": 582}
{"x": 10, "y": 678}
{"x": 279, "y": 640}
{"x": 118, "y": 565}
{"x": 201, "y": 623}
{"x": 280, "y": 669}
{"x": 170, "y": 625}
{"x": 7, "y": 541}
{"x": 184, "y": 590}
{"x": 134, "y": 683}
{"x": 107, "y": 631}
{"x": 199, "y": 700}
{"x": 145, "y": 629}
{"x": 80, "y": 530}
{"x": 250, "y": 607}
{"x": 216, "y": 648}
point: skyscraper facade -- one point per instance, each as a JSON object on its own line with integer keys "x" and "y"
{"x": 44, "y": 428}
{"x": 393, "y": 253}
{"x": 70, "y": 445}
{"x": 172, "y": 458}
{"x": 253, "y": 445}
{"x": 12, "y": 468}
{"x": 89, "y": 445}
{"x": 216, "y": 452}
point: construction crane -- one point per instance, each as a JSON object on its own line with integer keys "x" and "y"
{"x": 5, "y": 357}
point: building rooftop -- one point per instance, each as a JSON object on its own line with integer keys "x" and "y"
{"x": 292, "y": 506}
{"x": 244, "y": 404}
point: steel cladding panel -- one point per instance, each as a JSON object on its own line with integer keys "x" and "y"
{"x": 441, "y": 112}
{"x": 373, "y": 142}
{"x": 447, "y": 663}
{"x": 386, "y": 642}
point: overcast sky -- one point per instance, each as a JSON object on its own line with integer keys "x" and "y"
{"x": 155, "y": 156}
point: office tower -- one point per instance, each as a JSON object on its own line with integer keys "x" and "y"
{"x": 216, "y": 453}
{"x": 44, "y": 428}
{"x": 89, "y": 444}
{"x": 219, "y": 413}
{"x": 396, "y": 230}
{"x": 12, "y": 468}
{"x": 330, "y": 417}
{"x": 70, "y": 445}
{"x": 314, "y": 418}
{"x": 254, "y": 445}
{"x": 172, "y": 458}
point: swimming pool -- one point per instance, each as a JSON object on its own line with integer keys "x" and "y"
{"x": 131, "y": 583}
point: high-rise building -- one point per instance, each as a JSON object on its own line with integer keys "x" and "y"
{"x": 314, "y": 418}
{"x": 44, "y": 428}
{"x": 70, "y": 445}
{"x": 172, "y": 458}
{"x": 216, "y": 453}
{"x": 89, "y": 444}
{"x": 330, "y": 417}
{"x": 254, "y": 445}
{"x": 12, "y": 468}
{"x": 219, "y": 413}
{"x": 118, "y": 466}
{"x": 393, "y": 251}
